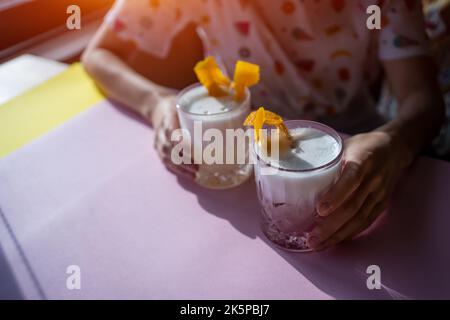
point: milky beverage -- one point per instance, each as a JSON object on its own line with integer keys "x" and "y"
{"x": 221, "y": 113}
{"x": 289, "y": 194}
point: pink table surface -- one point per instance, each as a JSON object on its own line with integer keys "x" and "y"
{"x": 93, "y": 193}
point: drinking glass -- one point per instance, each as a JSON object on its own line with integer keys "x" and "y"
{"x": 288, "y": 198}
{"x": 223, "y": 175}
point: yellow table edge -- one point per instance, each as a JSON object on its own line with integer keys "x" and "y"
{"x": 45, "y": 107}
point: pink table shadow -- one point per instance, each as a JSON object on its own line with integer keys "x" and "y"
{"x": 409, "y": 243}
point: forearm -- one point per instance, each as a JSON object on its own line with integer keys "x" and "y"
{"x": 121, "y": 83}
{"x": 419, "y": 119}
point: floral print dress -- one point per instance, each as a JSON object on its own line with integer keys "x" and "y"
{"x": 318, "y": 58}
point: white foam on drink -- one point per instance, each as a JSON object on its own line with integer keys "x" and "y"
{"x": 313, "y": 149}
{"x": 198, "y": 101}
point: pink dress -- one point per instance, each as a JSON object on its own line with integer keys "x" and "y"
{"x": 318, "y": 58}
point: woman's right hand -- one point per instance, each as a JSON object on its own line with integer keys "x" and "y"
{"x": 164, "y": 119}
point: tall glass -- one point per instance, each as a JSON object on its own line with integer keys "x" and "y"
{"x": 288, "y": 197}
{"x": 196, "y": 107}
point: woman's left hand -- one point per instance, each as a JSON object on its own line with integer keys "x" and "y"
{"x": 372, "y": 162}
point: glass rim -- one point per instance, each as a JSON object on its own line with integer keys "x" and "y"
{"x": 198, "y": 84}
{"x": 314, "y": 125}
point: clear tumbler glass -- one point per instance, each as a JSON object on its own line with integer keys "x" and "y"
{"x": 288, "y": 197}
{"x": 196, "y": 107}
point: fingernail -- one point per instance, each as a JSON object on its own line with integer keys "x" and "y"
{"x": 313, "y": 242}
{"x": 323, "y": 208}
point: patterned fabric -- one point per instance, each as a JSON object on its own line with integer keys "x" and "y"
{"x": 317, "y": 57}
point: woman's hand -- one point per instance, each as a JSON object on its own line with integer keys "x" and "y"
{"x": 165, "y": 120}
{"x": 372, "y": 162}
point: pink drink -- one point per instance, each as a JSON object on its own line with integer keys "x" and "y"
{"x": 289, "y": 194}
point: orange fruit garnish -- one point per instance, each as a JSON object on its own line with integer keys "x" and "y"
{"x": 258, "y": 118}
{"x": 218, "y": 84}
{"x": 246, "y": 75}
{"x": 210, "y": 76}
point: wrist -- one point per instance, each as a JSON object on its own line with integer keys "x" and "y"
{"x": 148, "y": 105}
{"x": 405, "y": 154}
{"x": 163, "y": 107}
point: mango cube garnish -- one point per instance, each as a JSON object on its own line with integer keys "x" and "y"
{"x": 210, "y": 75}
{"x": 218, "y": 84}
{"x": 246, "y": 75}
{"x": 258, "y": 118}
